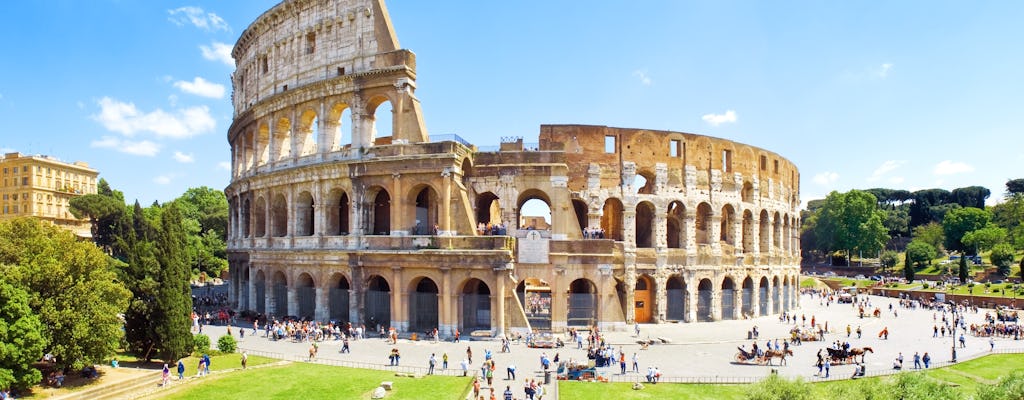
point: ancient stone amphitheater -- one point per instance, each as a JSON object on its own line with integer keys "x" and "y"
{"x": 332, "y": 219}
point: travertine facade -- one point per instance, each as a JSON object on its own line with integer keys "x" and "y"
{"x": 331, "y": 219}
{"x": 42, "y": 187}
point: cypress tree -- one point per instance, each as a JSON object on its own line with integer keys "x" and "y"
{"x": 964, "y": 270}
{"x": 908, "y": 268}
{"x": 174, "y": 301}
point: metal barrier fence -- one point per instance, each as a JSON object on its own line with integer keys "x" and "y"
{"x": 472, "y": 372}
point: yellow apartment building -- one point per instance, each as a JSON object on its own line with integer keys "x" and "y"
{"x": 42, "y": 187}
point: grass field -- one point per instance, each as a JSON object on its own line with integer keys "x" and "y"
{"x": 967, "y": 376}
{"x": 315, "y": 381}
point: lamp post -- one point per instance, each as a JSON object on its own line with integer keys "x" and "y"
{"x": 953, "y": 304}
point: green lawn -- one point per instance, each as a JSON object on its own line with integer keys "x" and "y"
{"x": 221, "y": 362}
{"x": 315, "y": 381}
{"x": 967, "y": 375}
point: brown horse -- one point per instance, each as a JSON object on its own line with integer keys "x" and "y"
{"x": 860, "y": 351}
{"x": 770, "y": 354}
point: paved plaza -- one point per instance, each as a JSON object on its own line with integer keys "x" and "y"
{"x": 705, "y": 350}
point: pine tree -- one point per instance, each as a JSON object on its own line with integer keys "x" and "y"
{"x": 908, "y": 268}
{"x": 135, "y": 247}
{"x": 964, "y": 270}
{"x": 174, "y": 301}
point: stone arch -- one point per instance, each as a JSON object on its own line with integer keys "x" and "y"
{"x": 338, "y": 208}
{"x": 582, "y": 303}
{"x": 764, "y": 232}
{"x": 305, "y": 295}
{"x": 787, "y": 244}
{"x": 305, "y": 221}
{"x": 703, "y": 223}
{"x": 262, "y": 138}
{"x": 338, "y": 298}
{"x": 529, "y": 195}
{"x": 339, "y": 113}
{"x": 611, "y": 219}
{"x": 748, "y": 297}
{"x": 643, "y": 182}
{"x": 261, "y": 292}
{"x": 777, "y": 232}
{"x": 378, "y": 121}
{"x": 488, "y": 209}
{"x": 425, "y": 211}
{"x": 246, "y": 217}
{"x": 259, "y": 220}
{"x": 747, "y": 193}
{"x": 279, "y": 216}
{"x": 535, "y": 296}
{"x": 381, "y": 209}
{"x": 726, "y": 233}
{"x": 475, "y": 310}
{"x": 645, "y": 224}
{"x": 748, "y": 231}
{"x": 282, "y": 139}
{"x": 579, "y": 207}
{"x": 466, "y": 171}
{"x": 643, "y": 299}
{"x": 705, "y": 295}
{"x": 776, "y": 296}
{"x": 675, "y": 224}
{"x": 308, "y": 132}
{"x": 377, "y": 303}
{"x": 763, "y": 296}
{"x": 423, "y": 308}
{"x": 728, "y": 298}
{"x": 675, "y": 296}
{"x": 279, "y": 294}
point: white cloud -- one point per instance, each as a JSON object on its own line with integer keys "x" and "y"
{"x": 196, "y": 16}
{"x": 642, "y": 75}
{"x": 826, "y": 178}
{"x": 125, "y": 119}
{"x": 183, "y": 158}
{"x": 224, "y": 165}
{"x": 886, "y": 167}
{"x": 718, "y": 119}
{"x": 218, "y": 51}
{"x": 882, "y": 71}
{"x": 163, "y": 179}
{"x": 138, "y": 148}
{"x": 947, "y": 167}
{"x": 201, "y": 87}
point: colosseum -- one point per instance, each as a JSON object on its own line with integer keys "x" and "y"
{"x": 333, "y": 220}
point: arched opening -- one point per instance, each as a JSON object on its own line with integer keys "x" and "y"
{"x": 488, "y": 209}
{"x": 338, "y": 300}
{"x": 703, "y": 223}
{"x": 380, "y": 119}
{"x": 340, "y": 118}
{"x": 748, "y": 297}
{"x": 764, "y": 233}
{"x": 535, "y": 296}
{"x": 534, "y": 211}
{"x": 279, "y": 216}
{"x": 381, "y": 213}
{"x": 426, "y": 212}
{"x": 763, "y": 296}
{"x": 262, "y": 144}
{"x": 282, "y": 139}
{"x": 704, "y": 297}
{"x": 747, "y": 194}
{"x": 643, "y": 183}
{"x": 305, "y": 293}
{"x": 645, "y": 225}
{"x": 728, "y": 298}
{"x": 308, "y": 131}
{"x": 726, "y": 233}
{"x": 675, "y": 225}
{"x": 675, "y": 296}
{"x": 580, "y": 207}
{"x": 377, "y": 303}
{"x": 776, "y": 296}
{"x": 279, "y": 295}
{"x": 777, "y": 232}
{"x": 643, "y": 304}
{"x": 338, "y": 209}
{"x": 785, "y": 236}
{"x": 261, "y": 293}
{"x": 476, "y": 306}
{"x": 611, "y": 219}
{"x": 246, "y": 218}
{"x": 423, "y": 306}
{"x": 748, "y": 231}
{"x": 582, "y": 303}
{"x": 259, "y": 220}
{"x": 304, "y": 220}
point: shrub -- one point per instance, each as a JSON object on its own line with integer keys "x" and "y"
{"x": 202, "y": 342}
{"x": 227, "y": 344}
{"x": 774, "y": 387}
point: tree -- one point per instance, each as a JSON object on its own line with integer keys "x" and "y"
{"x": 922, "y": 203}
{"x": 984, "y": 238}
{"x": 930, "y": 233}
{"x": 175, "y": 296}
{"x": 205, "y": 216}
{"x": 920, "y": 253}
{"x": 964, "y": 270}
{"x": 908, "y": 269}
{"x": 889, "y": 259}
{"x": 851, "y": 221}
{"x": 136, "y": 248}
{"x": 971, "y": 196}
{"x": 21, "y": 338}
{"x": 102, "y": 212}
{"x": 72, "y": 289}
{"x": 1015, "y": 186}
{"x": 1002, "y": 258}
{"x": 959, "y": 222}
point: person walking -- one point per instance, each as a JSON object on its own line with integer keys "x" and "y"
{"x": 444, "y": 360}
{"x": 622, "y": 362}
{"x": 917, "y": 361}
{"x": 165, "y": 376}
{"x": 431, "y": 363}
{"x": 344, "y": 346}
{"x": 828, "y": 364}
{"x": 465, "y": 367}
{"x": 991, "y": 343}
{"x": 636, "y": 363}
{"x": 181, "y": 369}
{"x": 927, "y": 359}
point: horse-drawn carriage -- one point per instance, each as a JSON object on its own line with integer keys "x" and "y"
{"x": 798, "y": 334}
{"x": 575, "y": 372}
{"x": 843, "y": 356}
{"x": 750, "y": 357}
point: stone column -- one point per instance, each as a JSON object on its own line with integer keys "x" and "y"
{"x": 324, "y": 136}
{"x": 501, "y": 276}
{"x": 271, "y": 146}
{"x": 660, "y": 297}
{"x": 660, "y": 232}
{"x": 629, "y": 226}
{"x": 446, "y": 317}
{"x": 293, "y": 131}
{"x": 755, "y": 298}
{"x": 715, "y": 232}
{"x": 252, "y": 287}
{"x": 691, "y": 232}
{"x": 399, "y": 301}
{"x": 737, "y": 304}
{"x": 630, "y": 283}
{"x": 755, "y": 234}
{"x": 716, "y": 302}
{"x": 559, "y": 302}
{"x": 692, "y": 284}
{"x": 293, "y": 299}
{"x": 320, "y": 312}
{"x": 446, "y": 203}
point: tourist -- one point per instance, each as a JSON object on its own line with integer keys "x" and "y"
{"x": 927, "y": 359}
{"x": 991, "y": 343}
{"x": 828, "y": 365}
{"x": 636, "y": 363}
{"x": 444, "y": 360}
{"x": 917, "y": 361}
{"x": 476, "y": 388}
{"x": 344, "y": 346}
{"x": 181, "y": 369}
{"x": 465, "y": 367}
{"x": 165, "y": 376}
{"x": 245, "y": 359}
{"x": 430, "y": 363}
{"x": 510, "y": 372}
{"x": 508, "y": 393}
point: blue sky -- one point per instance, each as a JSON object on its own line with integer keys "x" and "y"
{"x": 903, "y": 94}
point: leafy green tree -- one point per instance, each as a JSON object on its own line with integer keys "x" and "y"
{"x": 889, "y": 259}
{"x": 201, "y": 342}
{"x": 959, "y": 222}
{"x": 72, "y": 289}
{"x": 1009, "y": 215}
{"x": 971, "y": 196}
{"x": 140, "y": 273}
{"x": 984, "y": 238}
{"x": 851, "y": 221}
{"x": 964, "y": 272}
{"x": 21, "y": 338}
{"x": 175, "y": 297}
{"x": 920, "y": 253}
{"x": 205, "y": 218}
{"x": 102, "y": 213}
{"x": 227, "y": 344}
{"x": 932, "y": 234}
{"x": 1021, "y": 268}
{"x": 908, "y": 268}
{"x": 921, "y": 205}
{"x": 1002, "y": 258}
{"x": 1015, "y": 186}
{"x": 1010, "y": 387}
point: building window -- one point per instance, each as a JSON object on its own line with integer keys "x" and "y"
{"x": 726, "y": 160}
{"x": 764, "y": 163}
{"x": 776, "y": 166}
{"x": 15, "y": 209}
{"x": 675, "y": 148}
{"x": 24, "y": 168}
{"x": 310, "y": 43}
{"x": 264, "y": 65}
{"x": 609, "y": 144}
{"x": 24, "y": 181}
{"x": 341, "y": 71}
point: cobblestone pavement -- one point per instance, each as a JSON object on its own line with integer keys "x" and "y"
{"x": 705, "y": 350}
